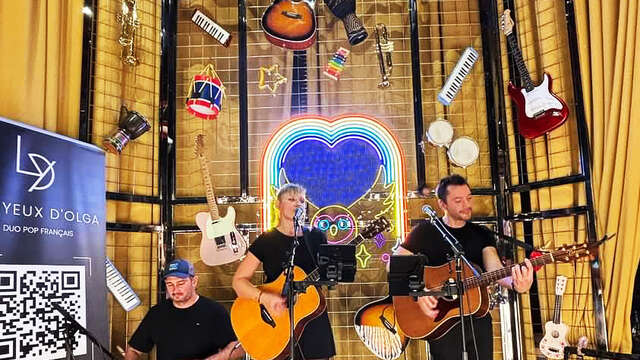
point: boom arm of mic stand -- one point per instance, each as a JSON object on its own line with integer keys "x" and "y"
{"x": 76, "y": 326}
{"x": 453, "y": 242}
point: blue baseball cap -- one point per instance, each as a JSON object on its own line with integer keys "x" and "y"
{"x": 180, "y": 268}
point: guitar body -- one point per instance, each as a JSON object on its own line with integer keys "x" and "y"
{"x": 375, "y": 324}
{"x": 290, "y": 24}
{"x": 539, "y": 110}
{"x": 416, "y": 325}
{"x": 554, "y": 341}
{"x": 221, "y": 243}
{"x": 264, "y": 341}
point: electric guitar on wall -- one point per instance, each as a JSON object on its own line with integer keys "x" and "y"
{"x": 539, "y": 109}
{"x": 416, "y": 325}
{"x": 265, "y": 336}
{"x": 290, "y": 24}
{"x": 555, "y": 332}
{"x": 221, "y": 242}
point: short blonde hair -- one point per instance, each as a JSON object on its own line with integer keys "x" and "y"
{"x": 290, "y": 188}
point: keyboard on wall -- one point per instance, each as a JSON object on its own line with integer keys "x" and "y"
{"x": 211, "y": 28}
{"x": 119, "y": 287}
{"x": 455, "y": 79}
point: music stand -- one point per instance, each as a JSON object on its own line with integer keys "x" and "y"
{"x": 406, "y": 277}
{"x": 337, "y": 263}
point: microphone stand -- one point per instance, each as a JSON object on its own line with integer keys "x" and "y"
{"x": 289, "y": 288}
{"x": 458, "y": 255}
{"x": 70, "y": 329}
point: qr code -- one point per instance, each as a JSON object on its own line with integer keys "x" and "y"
{"x": 30, "y": 328}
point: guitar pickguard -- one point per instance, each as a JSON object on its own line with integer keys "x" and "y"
{"x": 540, "y": 99}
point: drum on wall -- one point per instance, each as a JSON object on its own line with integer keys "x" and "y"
{"x": 206, "y": 91}
{"x": 440, "y": 132}
{"x": 463, "y": 151}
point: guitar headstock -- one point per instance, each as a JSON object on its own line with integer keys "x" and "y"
{"x": 568, "y": 253}
{"x": 376, "y": 226}
{"x": 198, "y": 145}
{"x": 506, "y": 23}
{"x": 561, "y": 284}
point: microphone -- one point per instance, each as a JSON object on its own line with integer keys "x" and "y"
{"x": 426, "y": 209}
{"x": 299, "y": 215}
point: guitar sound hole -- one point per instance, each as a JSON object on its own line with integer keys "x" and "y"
{"x": 555, "y": 334}
{"x": 292, "y": 15}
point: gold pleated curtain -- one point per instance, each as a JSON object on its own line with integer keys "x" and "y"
{"x": 609, "y": 38}
{"x": 41, "y": 61}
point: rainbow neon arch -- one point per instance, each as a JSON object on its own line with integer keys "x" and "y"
{"x": 332, "y": 132}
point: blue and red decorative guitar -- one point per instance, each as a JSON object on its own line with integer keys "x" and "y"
{"x": 539, "y": 109}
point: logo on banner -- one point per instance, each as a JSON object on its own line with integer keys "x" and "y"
{"x": 44, "y": 169}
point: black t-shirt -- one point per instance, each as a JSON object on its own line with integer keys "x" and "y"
{"x": 426, "y": 239}
{"x": 272, "y": 248}
{"x": 196, "y": 332}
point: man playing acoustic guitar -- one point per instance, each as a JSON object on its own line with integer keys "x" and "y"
{"x": 454, "y": 198}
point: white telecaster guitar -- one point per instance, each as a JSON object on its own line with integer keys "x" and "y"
{"x": 221, "y": 242}
{"x": 555, "y": 332}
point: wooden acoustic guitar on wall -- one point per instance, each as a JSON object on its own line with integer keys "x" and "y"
{"x": 265, "y": 336}
{"x": 539, "y": 109}
{"x": 416, "y": 325}
{"x": 221, "y": 242}
{"x": 290, "y": 24}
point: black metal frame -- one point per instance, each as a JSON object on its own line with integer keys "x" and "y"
{"x": 417, "y": 90}
{"x": 502, "y": 188}
{"x": 86, "y": 83}
{"x": 585, "y": 162}
{"x": 167, "y": 110}
{"x": 243, "y": 100}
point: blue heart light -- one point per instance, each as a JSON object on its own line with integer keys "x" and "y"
{"x": 338, "y": 173}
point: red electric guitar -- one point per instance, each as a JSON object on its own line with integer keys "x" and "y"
{"x": 539, "y": 109}
{"x": 290, "y": 24}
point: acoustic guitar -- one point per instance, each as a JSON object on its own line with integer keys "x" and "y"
{"x": 416, "y": 325}
{"x": 265, "y": 336}
{"x": 221, "y": 242}
{"x": 290, "y": 24}
{"x": 539, "y": 109}
{"x": 376, "y": 326}
{"x": 555, "y": 332}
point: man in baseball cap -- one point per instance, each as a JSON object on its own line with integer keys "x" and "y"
{"x": 179, "y": 268}
{"x": 186, "y": 325}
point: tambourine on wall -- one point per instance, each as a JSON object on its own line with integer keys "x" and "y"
{"x": 462, "y": 151}
{"x": 204, "y": 98}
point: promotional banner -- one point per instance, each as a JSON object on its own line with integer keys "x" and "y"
{"x": 52, "y": 243}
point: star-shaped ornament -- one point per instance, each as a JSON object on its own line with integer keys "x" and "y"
{"x": 363, "y": 256}
{"x": 270, "y": 78}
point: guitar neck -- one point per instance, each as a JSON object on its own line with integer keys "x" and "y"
{"x": 557, "y": 310}
{"x": 299, "y": 83}
{"x": 490, "y": 277}
{"x": 517, "y": 57}
{"x": 208, "y": 184}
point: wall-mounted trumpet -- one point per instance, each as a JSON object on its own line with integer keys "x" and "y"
{"x": 129, "y": 22}
{"x": 384, "y": 48}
